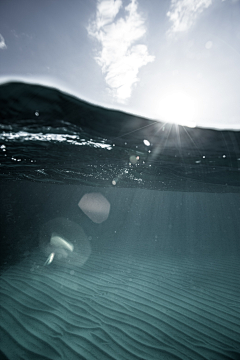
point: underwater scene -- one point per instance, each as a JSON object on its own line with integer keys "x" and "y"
{"x": 120, "y": 235}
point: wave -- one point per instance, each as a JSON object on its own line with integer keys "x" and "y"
{"x": 52, "y": 137}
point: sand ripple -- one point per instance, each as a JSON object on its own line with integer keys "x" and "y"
{"x": 121, "y": 307}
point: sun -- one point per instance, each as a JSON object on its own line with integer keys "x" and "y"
{"x": 178, "y": 107}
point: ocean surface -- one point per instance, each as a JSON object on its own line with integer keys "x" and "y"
{"x": 119, "y": 234}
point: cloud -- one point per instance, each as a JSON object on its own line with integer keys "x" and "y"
{"x": 183, "y": 13}
{"x": 122, "y": 54}
{"x": 21, "y": 35}
{"x": 2, "y": 43}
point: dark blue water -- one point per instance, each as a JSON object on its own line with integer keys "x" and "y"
{"x": 52, "y": 137}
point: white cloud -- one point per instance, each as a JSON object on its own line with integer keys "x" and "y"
{"x": 121, "y": 55}
{"x": 183, "y": 13}
{"x": 2, "y": 43}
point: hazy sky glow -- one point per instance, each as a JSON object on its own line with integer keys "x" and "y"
{"x": 174, "y": 60}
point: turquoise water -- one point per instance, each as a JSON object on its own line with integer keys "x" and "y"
{"x": 119, "y": 235}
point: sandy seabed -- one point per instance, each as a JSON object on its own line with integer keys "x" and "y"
{"x": 120, "y": 306}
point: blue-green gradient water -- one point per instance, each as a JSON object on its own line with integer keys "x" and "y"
{"x": 119, "y": 234}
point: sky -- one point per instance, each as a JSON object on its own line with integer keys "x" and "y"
{"x": 170, "y": 60}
